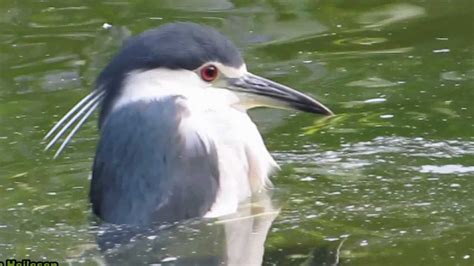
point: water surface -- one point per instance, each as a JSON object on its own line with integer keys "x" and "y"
{"x": 388, "y": 180}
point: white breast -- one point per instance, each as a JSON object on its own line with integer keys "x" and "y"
{"x": 244, "y": 162}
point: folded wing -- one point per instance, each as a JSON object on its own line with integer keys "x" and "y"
{"x": 148, "y": 169}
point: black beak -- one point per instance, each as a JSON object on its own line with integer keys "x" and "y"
{"x": 276, "y": 95}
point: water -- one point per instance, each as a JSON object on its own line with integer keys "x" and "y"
{"x": 386, "y": 181}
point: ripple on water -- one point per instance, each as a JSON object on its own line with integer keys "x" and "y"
{"x": 446, "y": 169}
{"x": 380, "y": 152}
{"x": 390, "y": 14}
{"x": 374, "y": 82}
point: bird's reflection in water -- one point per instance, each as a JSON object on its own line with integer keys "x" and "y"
{"x": 236, "y": 239}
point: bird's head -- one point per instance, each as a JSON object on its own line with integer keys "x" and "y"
{"x": 183, "y": 59}
{"x": 193, "y": 61}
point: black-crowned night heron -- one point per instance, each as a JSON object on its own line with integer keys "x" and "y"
{"x": 175, "y": 139}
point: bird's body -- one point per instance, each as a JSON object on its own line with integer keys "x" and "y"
{"x": 176, "y": 141}
{"x": 219, "y": 135}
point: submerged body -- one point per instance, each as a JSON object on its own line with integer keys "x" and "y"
{"x": 190, "y": 166}
{"x": 176, "y": 141}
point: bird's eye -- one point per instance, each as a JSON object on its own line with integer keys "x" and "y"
{"x": 209, "y": 73}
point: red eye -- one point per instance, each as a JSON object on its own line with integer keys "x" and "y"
{"x": 209, "y": 73}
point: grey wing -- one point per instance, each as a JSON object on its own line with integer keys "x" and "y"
{"x": 147, "y": 171}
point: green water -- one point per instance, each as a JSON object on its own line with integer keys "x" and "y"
{"x": 388, "y": 181}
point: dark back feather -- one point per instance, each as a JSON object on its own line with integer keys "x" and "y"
{"x": 144, "y": 172}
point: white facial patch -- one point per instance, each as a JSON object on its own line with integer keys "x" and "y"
{"x": 155, "y": 84}
{"x": 158, "y": 83}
